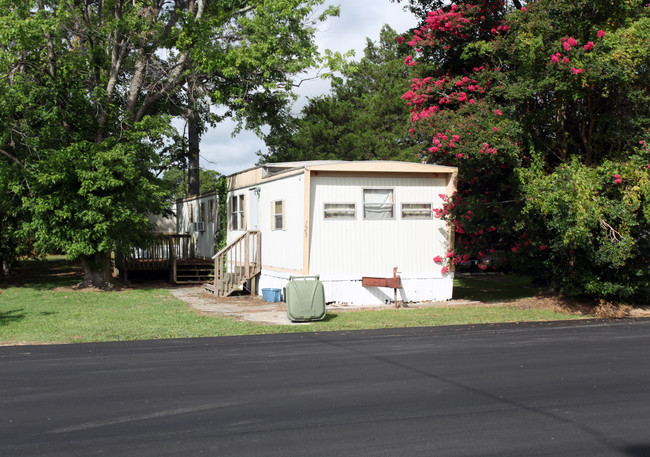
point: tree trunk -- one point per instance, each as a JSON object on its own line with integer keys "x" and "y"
{"x": 97, "y": 271}
{"x": 193, "y": 139}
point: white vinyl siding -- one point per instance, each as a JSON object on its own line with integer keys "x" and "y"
{"x": 378, "y": 204}
{"x": 373, "y": 248}
{"x": 334, "y": 211}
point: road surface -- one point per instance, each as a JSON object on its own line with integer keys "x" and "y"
{"x": 550, "y": 389}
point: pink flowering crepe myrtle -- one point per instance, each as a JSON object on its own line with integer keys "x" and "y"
{"x": 568, "y": 44}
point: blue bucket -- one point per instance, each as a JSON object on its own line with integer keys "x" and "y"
{"x": 272, "y": 295}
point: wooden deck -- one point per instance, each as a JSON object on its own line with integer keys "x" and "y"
{"x": 167, "y": 252}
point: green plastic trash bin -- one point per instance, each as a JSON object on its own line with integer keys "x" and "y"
{"x": 305, "y": 299}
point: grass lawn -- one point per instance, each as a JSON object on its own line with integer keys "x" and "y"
{"x": 38, "y": 306}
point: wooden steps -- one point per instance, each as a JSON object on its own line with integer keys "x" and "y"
{"x": 236, "y": 264}
{"x": 193, "y": 272}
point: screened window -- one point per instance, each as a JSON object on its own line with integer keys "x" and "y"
{"x": 237, "y": 206}
{"x": 340, "y": 211}
{"x": 378, "y": 204}
{"x": 202, "y": 212}
{"x": 416, "y": 211}
{"x": 277, "y": 215}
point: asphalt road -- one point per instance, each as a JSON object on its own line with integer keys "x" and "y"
{"x": 564, "y": 389}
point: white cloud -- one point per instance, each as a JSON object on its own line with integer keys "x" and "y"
{"x": 358, "y": 20}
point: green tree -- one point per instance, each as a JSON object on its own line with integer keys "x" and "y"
{"x": 362, "y": 119}
{"x": 178, "y": 179}
{"x": 545, "y": 112}
{"x": 89, "y": 89}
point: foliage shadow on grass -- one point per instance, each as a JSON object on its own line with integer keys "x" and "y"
{"x": 44, "y": 274}
{"x": 494, "y": 288}
{"x": 13, "y": 315}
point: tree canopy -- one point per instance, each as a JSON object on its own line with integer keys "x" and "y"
{"x": 544, "y": 108}
{"x": 362, "y": 118}
{"x": 89, "y": 90}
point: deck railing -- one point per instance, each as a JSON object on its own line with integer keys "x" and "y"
{"x": 238, "y": 262}
{"x": 160, "y": 253}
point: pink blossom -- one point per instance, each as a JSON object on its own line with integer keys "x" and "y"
{"x": 496, "y": 129}
{"x": 576, "y": 71}
{"x": 450, "y": 254}
{"x": 523, "y": 9}
{"x": 555, "y": 59}
{"x": 497, "y": 112}
{"x": 566, "y": 46}
{"x": 409, "y": 61}
{"x": 400, "y": 39}
{"x": 456, "y": 138}
{"x": 437, "y": 259}
{"x": 444, "y": 270}
{"x": 589, "y": 46}
{"x": 543, "y": 247}
{"x": 460, "y": 156}
{"x": 601, "y": 33}
{"x": 482, "y": 266}
{"x": 565, "y": 60}
{"x": 572, "y": 41}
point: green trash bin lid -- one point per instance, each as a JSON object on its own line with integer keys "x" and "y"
{"x": 305, "y": 297}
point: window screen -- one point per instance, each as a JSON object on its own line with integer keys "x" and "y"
{"x": 416, "y": 211}
{"x": 378, "y": 204}
{"x": 340, "y": 211}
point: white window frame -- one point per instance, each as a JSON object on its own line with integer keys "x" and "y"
{"x": 340, "y": 214}
{"x": 237, "y": 205}
{"x": 369, "y": 205}
{"x": 418, "y": 214}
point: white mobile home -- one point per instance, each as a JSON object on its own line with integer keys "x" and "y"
{"x": 346, "y": 221}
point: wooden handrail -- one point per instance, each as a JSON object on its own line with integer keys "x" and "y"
{"x": 237, "y": 263}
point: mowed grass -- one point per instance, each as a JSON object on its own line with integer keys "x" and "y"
{"x": 38, "y": 306}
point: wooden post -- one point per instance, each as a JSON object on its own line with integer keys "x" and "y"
{"x": 172, "y": 259}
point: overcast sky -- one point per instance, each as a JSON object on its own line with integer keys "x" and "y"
{"x": 359, "y": 19}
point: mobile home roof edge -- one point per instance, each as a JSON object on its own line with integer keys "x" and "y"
{"x": 268, "y": 172}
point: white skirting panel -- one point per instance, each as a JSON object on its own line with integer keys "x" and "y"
{"x": 415, "y": 288}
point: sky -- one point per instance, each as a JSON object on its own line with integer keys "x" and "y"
{"x": 359, "y": 19}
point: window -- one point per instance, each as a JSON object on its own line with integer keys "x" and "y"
{"x": 211, "y": 215}
{"x": 202, "y": 212}
{"x": 340, "y": 211}
{"x": 416, "y": 211}
{"x": 237, "y": 206}
{"x": 378, "y": 204}
{"x": 277, "y": 215}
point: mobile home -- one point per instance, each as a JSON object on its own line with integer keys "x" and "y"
{"x": 183, "y": 243}
{"x": 345, "y": 222}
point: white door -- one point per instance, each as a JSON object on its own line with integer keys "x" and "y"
{"x": 253, "y": 197}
